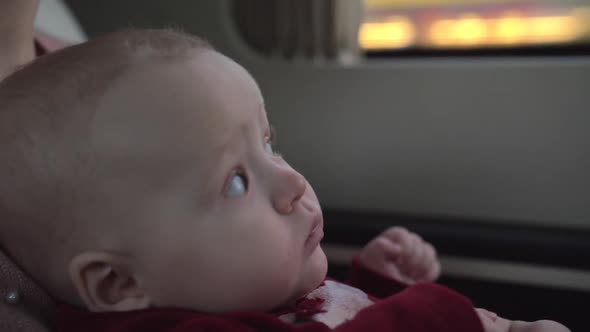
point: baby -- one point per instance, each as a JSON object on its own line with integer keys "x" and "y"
{"x": 140, "y": 188}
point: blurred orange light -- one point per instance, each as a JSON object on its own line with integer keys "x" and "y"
{"x": 396, "y": 32}
{"x": 472, "y": 30}
{"x": 469, "y": 30}
{"x": 582, "y": 17}
{"x": 440, "y": 33}
{"x": 551, "y": 29}
{"x": 510, "y": 29}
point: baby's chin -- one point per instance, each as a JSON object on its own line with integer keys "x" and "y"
{"x": 315, "y": 277}
{"x": 302, "y": 291}
{"x": 290, "y": 303}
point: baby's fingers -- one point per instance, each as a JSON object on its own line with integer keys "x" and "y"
{"x": 491, "y": 322}
{"x": 431, "y": 263}
{"x": 379, "y": 252}
{"x": 391, "y": 251}
{"x": 416, "y": 259}
{"x": 426, "y": 266}
{"x": 398, "y": 235}
{"x": 407, "y": 240}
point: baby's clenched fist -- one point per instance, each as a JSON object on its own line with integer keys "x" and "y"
{"x": 401, "y": 255}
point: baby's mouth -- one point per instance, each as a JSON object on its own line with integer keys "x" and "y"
{"x": 316, "y": 233}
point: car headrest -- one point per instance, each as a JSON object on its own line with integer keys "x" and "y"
{"x": 24, "y": 306}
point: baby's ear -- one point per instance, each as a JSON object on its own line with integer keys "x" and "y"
{"x": 106, "y": 282}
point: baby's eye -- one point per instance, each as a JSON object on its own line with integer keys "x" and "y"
{"x": 270, "y": 142}
{"x": 238, "y": 185}
{"x": 268, "y": 148}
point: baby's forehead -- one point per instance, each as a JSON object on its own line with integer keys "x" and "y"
{"x": 173, "y": 106}
{"x": 207, "y": 84}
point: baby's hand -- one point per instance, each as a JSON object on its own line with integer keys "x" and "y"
{"x": 401, "y": 255}
{"x": 493, "y": 323}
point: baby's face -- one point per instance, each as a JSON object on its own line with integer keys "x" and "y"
{"x": 214, "y": 219}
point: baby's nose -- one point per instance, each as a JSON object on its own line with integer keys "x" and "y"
{"x": 288, "y": 189}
